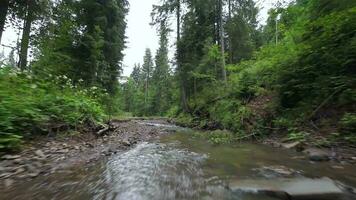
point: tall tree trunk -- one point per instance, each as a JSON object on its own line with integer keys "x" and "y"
{"x": 230, "y": 39}
{"x": 4, "y": 6}
{"x": 222, "y": 43}
{"x": 183, "y": 94}
{"x": 146, "y": 90}
{"x": 25, "y": 41}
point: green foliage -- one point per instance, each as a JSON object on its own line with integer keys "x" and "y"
{"x": 348, "y": 123}
{"x": 217, "y": 137}
{"x": 30, "y": 105}
{"x": 84, "y": 41}
{"x": 280, "y": 86}
{"x": 295, "y": 135}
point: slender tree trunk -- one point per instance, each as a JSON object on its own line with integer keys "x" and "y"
{"x": 230, "y": 39}
{"x": 222, "y": 43}
{"x": 146, "y": 92}
{"x": 25, "y": 41}
{"x": 179, "y": 67}
{"x": 4, "y": 6}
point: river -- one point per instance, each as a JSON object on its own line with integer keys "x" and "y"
{"x": 177, "y": 166}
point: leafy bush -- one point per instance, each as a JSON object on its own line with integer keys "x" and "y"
{"x": 348, "y": 123}
{"x": 29, "y": 105}
{"x": 217, "y": 136}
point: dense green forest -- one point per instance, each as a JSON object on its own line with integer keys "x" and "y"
{"x": 296, "y": 75}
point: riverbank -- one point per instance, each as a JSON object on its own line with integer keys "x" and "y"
{"x": 46, "y": 155}
{"x": 314, "y": 148}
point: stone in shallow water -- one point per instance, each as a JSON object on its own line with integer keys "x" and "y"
{"x": 295, "y": 189}
{"x": 317, "y": 155}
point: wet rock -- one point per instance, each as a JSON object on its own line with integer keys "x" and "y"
{"x": 298, "y": 157}
{"x": 299, "y": 146}
{"x": 36, "y": 158}
{"x": 18, "y": 161}
{"x": 126, "y": 143}
{"x": 6, "y": 175}
{"x": 33, "y": 175}
{"x": 62, "y": 151}
{"x": 40, "y": 154}
{"x": 10, "y": 157}
{"x": 30, "y": 167}
{"x": 353, "y": 158}
{"x": 89, "y": 145}
{"x": 317, "y": 155}
{"x": 276, "y": 144}
{"x": 20, "y": 170}
{"x": 273, "y": 171}
{"x": 337, "y": 167}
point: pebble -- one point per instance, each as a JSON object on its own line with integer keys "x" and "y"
{"x": 40, "y": 154}
{"x": 18, "y": 161}
{"x": 126, "y": 143}
{"x": 20, "y": 170}
{"x": 33, "y": 175}
{"x": 337, "y": 167}
{"x": 30, "y": 167}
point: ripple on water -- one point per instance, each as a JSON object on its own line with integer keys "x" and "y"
{"x": 156, "y": 171}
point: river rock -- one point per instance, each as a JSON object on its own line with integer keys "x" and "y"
{"x": 30, "y": 167}
{"x": 20, "y": 170}
{"x": 10, "y": 157}
{"x": 33, "y": 175}
{"x": 317, "y": 155}
{"x": 6, "y": 175}
{"x": 18, "y": 161}
{"x": 40, "y": 154}
{"x": 126, "y": 142}
{"x": 276, "y": 171}
{"x": 299, "y": 146}
{"x": 337, "y": 167}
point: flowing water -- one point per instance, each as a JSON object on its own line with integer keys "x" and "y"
{"x": 177, "y": 166}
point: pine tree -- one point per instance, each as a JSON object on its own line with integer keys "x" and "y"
{"x": 147, "y": 71}
{"x": 160, "y": 77}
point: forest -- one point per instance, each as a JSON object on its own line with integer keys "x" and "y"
{"x": 294, "y": 76}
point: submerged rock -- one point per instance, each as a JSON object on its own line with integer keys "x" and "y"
{"x": 280, "y": 170}
{"x": 292, "y": 189}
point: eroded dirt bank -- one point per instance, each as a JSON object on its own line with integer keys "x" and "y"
{"x": 48, "y": 155}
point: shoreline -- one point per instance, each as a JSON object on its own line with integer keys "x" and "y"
{"x": 43, "y": 156}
